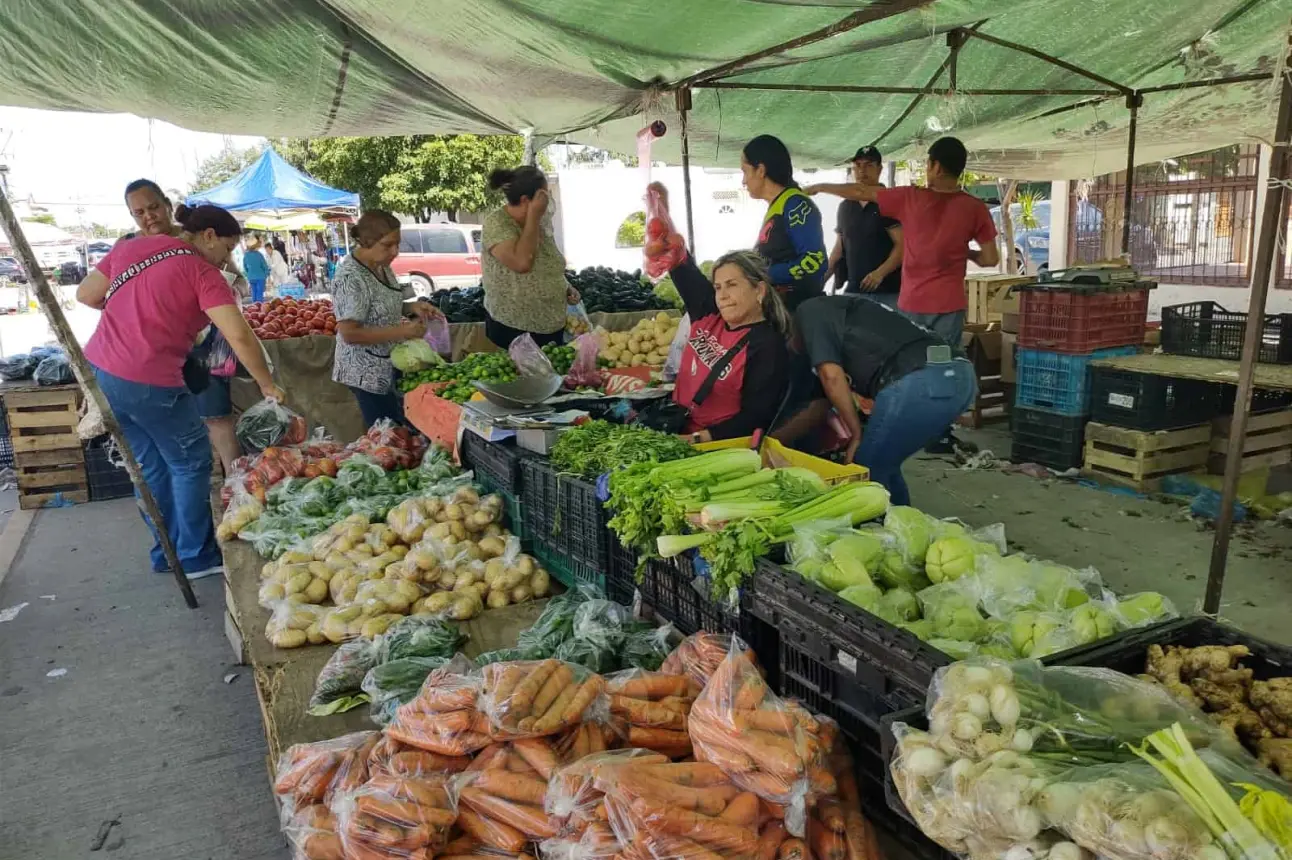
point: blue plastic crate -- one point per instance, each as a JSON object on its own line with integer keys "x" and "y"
{"x": 1056, "y": 381}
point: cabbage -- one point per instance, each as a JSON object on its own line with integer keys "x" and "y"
{"x": 414, "y": 355}
{"x": 913, "y": 530}
{"x": 1136, "y": 610}
{"x": 1092, "y": 622}
{"x": 950, "y": 558}
{"x": 894, "y": 572}
{"x": 922, "y": 629}
{"x": 956, "y": 649}
{"x": 954, "y": 615}
{"x": 865, "y": 548}
{"x": 898, "y": 605}
{"x": 849, "y": 559}
{"x": 864, "y": 596}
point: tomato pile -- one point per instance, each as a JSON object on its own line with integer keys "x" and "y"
{"x": 282, "y": 318}
{"x": 389, "y": 447}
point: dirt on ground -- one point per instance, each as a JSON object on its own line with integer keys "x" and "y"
{"x": 1137, "y": 544}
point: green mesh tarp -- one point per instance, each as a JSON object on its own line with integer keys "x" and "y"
{"x": 596, "y": 71}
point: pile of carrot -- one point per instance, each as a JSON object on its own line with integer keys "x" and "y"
{"x": 532, "y": 698}
{"x": 576, "y": 804}
{"x": 390, "y": 756}
{"x": 443, "y": 717}
{"x": 769, "y": 746}
{"x": 648, "y": 710}
{"x": 309, "y": 776}
{"x": 699, "y": 656}
{"x": 396, "y": 818}
{"x": 503, "y": 793}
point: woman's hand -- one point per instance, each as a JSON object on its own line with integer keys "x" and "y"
{"x": 850, "y": 453}
{"x": 572, "y": 296}
{"x": 426, "y": 311}
{"x": 411, "y": 329}
{"x": 538, "y": 203}
{"x": 273, "y": 392}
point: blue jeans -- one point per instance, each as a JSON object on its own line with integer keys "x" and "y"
{"x": 257, "y": 289}
{"x": 168, "y": 438}
{"x": 375, "y": 407}
{"x": 910, "y": 413}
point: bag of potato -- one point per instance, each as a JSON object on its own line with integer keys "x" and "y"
{"x": 376, "y": 605}
{"x": 297, "y": 581}
{"x": 514, "y": 577}
{"x": 293, "y": 624}
{"x": 242, "y": 510}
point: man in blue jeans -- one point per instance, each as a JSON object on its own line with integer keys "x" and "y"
{"x": 860, "y": 347}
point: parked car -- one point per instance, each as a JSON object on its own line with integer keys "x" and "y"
{"x": 11, "y": 269}
{"x": 1031, "y": 254}
{"x": 439, "y": 256}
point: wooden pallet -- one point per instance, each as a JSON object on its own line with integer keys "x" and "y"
{"x": 992, "y": 404}
{"x": 46, "y": 477}
{"x": 1139, "y": 459}
{"x": 1268, "y": 442}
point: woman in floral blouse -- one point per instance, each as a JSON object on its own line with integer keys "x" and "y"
{"x": 369, "y": 306}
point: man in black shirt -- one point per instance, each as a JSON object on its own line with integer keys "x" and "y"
{"x": 868, "y": 246}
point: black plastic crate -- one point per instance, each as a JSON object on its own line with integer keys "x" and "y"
{"x": 1047, "y": 437}
{"x": 621, "y": 573}
{"x": 1263, "y": 400}
{"x": 565, "y": 512}
{"x": 668, "y": 587}
{"x": 826, "y": 685}
{"x": 106, "y": 479}
{"x": 1208, "y": 330}
{"x": 6, "y": 452}
{"x": 1146, "y": 401}
{"x": 498, "y": 462}
{"x": 886, "y": 658}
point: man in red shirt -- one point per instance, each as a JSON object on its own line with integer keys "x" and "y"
{"x": 938, "y": 223}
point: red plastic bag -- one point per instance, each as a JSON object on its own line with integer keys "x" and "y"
{"x": 438, "y": 335}
{"x": 665, "y": 247}
{"x": 584, "y": 372}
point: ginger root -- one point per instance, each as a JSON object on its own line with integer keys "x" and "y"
{"x": 1276, "y": 754}
{"x": 1272, "y": 699}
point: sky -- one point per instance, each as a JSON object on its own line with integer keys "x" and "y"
{"x": 64, "y": 160}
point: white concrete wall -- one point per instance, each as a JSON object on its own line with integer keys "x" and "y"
{"x": 593, "y": 201}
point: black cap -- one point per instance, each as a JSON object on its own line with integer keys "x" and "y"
{"x": 868, "y": 153}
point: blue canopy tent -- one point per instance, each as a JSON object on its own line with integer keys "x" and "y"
{"x": 273, "y": 185}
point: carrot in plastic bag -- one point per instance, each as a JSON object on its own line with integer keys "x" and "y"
{"x": 308, "y": 773}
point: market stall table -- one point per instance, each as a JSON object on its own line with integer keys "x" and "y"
{"x": 285, "y": 678}
{"x": 1276, "y": 376}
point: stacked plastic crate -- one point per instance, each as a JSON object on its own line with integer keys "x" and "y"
{"x": 1063, "y": 327}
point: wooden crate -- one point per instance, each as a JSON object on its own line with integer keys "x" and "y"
{"x": 1139, "y": 459}
{"x": 1268, "y": 442}
{"x": 50, "y": 476}
{"x": 43, "y": 420}
{"x": 984, "y": 295}
{"x": 992, "y": 404}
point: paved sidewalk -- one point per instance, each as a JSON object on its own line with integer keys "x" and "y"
{"x": 142, "y": 726}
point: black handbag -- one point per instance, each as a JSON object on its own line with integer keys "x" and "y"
{"x": 669, "y": 416}
{"x": 197, "y": 377}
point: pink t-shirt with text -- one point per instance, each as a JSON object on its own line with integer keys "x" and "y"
{"x": 936, "y": 229}
{"x": 153, "y": 316}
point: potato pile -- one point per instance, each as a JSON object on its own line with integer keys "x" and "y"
{"x": 646, "y": 343}
{"x": 449, "y": 557}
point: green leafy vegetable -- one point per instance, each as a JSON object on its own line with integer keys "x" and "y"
{"x": 597, "y": 447}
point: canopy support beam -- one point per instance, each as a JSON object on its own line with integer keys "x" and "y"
{"x": 90, "y": 385}
{"x": 913, "y": 91}
{"x": 1272, "y": 217}
{"x": 683, "y": 109}
{"x": 1052, "y": 60}
{"x": 1133, "y": 101}
{"x": 852, "y": 22}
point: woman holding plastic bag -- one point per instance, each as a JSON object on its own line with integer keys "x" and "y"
{"x": 370, "y": 313}
{"x": 156, "y": 293}
{"x": 523, "y": 272}
{"x": 735, "y": 366}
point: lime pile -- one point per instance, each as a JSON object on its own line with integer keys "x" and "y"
{"x": 482, "y": 366}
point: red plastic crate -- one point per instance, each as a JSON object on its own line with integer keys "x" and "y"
{"x": 1079, "y": 321}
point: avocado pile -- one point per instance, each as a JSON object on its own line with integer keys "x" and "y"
{"x": 461, "y": 305}
{"x": 613, "y": 291}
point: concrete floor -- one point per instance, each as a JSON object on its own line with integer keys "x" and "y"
{"x": 142, "y": 727}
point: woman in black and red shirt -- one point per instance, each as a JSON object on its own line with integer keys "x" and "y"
{"x": 741, "y": 314}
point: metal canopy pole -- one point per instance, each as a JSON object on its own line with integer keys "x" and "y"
{"x": 85, "y": 376}
{"x": 684, "y": 108}
{"x": 1133, "y": 101}
{"x": 1272, "y": 216}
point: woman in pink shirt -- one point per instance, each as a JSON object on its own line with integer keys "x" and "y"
{"x": 157, "y": 293}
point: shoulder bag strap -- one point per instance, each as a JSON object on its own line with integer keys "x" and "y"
{"x": 138, "y": 268}
{"x": 719, "y": 367}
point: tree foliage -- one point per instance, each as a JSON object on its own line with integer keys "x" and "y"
{"x": 416, "y": 175}
{"x": 632, "y": 232}
{"x": 224, "y": 165}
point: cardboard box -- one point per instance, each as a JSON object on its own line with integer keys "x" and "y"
{"x": 981, "y": 342}
{"x": 984, "y": 295}
{"x": 1008, "y": 346}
